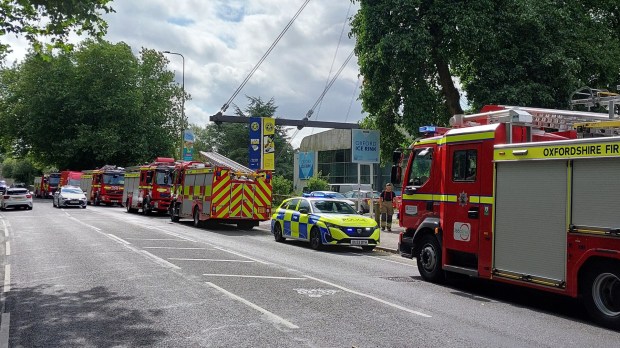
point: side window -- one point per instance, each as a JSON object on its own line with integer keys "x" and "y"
{"x": 149, "y": 177}
{"x": 304, "y": 204}
{"x": 464, "y": 165}
{"x": 291, "y": 205}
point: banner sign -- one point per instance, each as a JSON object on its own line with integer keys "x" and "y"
{"x": 306, "y": 165}
{"x": 255, "y": 143}
{"x": 269, "y": 145}
{"x": 365, "y": 146}
{"x": 188, "y": 145}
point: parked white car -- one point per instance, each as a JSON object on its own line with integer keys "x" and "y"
{"x": 16, "y": 198}
{"x": 69, "y": 196}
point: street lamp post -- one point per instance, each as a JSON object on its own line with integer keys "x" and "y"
{"x": 183, "y": 120}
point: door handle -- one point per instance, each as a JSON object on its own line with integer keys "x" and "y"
{"x": 429, "y": 206}
{"x": 473, "y": 213}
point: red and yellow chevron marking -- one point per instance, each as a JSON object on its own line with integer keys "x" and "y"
{"x": 247, "y": 206}
{"x": 262, "y": 199}
{"x": 236, "y": 196}
{"x": 220, "y": 199}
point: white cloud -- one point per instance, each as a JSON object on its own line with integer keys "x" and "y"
{"x": 223, "y": 39}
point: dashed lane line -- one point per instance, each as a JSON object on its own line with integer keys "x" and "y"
{"x": 7, "y": 279}
{"x": 7, "y": 248}
{"x": 394, "y": 305}
{"x": 385, "y": 259}
{"x": 172, "y": 248}
{"x": 267, "y": 314}
{"x": 211, "y": 260}
{"x": 4, "y": 330}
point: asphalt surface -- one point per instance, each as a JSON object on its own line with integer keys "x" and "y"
{"x": 99, "y": 277}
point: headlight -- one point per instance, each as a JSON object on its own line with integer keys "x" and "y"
{"x": 328, "y": 225}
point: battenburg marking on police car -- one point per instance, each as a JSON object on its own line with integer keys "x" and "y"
{"x": 565, "y": 151}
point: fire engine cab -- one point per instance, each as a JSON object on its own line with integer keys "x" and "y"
{"x": 220, "y": 190}
{"x": 498, "y": 197}
{"x": 103, "y": 185}
{"x": 148, "y": 187}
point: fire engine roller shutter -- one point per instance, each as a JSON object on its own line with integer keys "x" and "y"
{"x": 530, "y": 218}
{"x": 596, "y": 188}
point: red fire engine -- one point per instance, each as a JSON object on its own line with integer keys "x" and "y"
{"x": 498, "y": 197}
{"x": 45, "y": 185}
{"x": 220, "y": 190}
{"x": 148, "y": 187}
{"x": 70, "y": 178}
{"x": 103, "y": 185}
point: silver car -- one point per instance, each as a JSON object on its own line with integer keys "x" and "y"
{"x": 366, "y": 198}
{"x": 69, "y": 196}
{"x": 16, "y": 198}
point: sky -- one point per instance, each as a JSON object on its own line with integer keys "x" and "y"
{"x": 222, "y": 40}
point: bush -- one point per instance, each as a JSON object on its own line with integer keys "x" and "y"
{"x": 282, "y": 188}
{"x": 318, "y": 183}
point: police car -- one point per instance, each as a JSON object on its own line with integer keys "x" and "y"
{"x": 324, "y": 221}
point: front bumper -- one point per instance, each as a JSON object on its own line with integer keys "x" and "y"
{"x": 72, "y": 203}
{"x": 336, "y": 236}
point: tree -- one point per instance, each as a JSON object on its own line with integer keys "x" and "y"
{"x": 232, "y": 140}
{"x": 55, "y": 19}
{"x": 317, "y": 183}
{"x": 21, "y": 170}
{"x": 282, "y": 187}
{"x": 100, "y": 105}
{"x": 521, "y": 52}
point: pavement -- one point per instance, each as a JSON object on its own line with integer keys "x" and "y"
{"x": 100, "y": 277}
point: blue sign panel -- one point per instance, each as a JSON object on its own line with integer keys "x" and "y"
{"x": 306, "y": 165}
{"x": 365, "y": 146}
{"x": 188, "y": 145}
{"x": 255, "y": 143}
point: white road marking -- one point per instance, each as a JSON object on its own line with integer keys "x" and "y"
{"x": 171, "y": 233}
{"x": 370, "y": 297}
{"x": 4, "y": 330}
{"x": 8, "y": 248}
{"x": 214, "y": 260}
{"x": 155, "y": 258}
{"x": 83, "y": 223}
{"x": 250, "y": 276}
{"x": 7, "y": 278}
{"x": 241, "y": 255}
{"x": 270, "y": 316}
{"x": 118, "y": 239}
{"x": 386, "y": 260}
{"x": 154, "y": 239}
{"x": 173, "y": 248}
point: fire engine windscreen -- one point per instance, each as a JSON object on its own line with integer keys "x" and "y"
{"x": 113, "y": 179}
{"x": 164, "y": 178}
{"x": 420, "y": 169}
{"x": 54, "y": 180}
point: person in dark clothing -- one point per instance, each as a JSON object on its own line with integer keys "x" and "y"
{"x": 386, "y": 208}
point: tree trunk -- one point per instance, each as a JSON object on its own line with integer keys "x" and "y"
{"x": 453, "y": 98}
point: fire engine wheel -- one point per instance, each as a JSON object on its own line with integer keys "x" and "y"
{"x": 146, "y": 207}
{"x": 429, "y": 259}
{"x": 245, "y": 225}
{"x": 277, "y": 233}
{"x": 315, "y": 239}
{"x": 601, "y": 294}
{"x": 197, "y": 222}
{"x": 96, "y": 201}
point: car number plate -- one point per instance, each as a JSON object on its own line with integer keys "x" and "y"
{"x": 359, "y": 242}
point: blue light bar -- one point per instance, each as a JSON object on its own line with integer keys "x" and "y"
{"x": 428, "y": 129}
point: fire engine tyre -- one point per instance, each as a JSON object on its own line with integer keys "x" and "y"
{"x": 146, "y": 207}
{"x": 96, "y": 201}
{"x": 601, "y": 294}
{"x": 315, "y": 239}
{"x": 197, "y": 222}
{"x": 277, "y": 233}
{"x": 245, "y": 225}
{"x": 429, "y": 259}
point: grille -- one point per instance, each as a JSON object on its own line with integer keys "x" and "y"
{"x": 355, "y": 231}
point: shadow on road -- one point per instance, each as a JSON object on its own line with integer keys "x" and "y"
{"x": 44, "y": 316}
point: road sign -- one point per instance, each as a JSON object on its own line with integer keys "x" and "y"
{"x": 365, "y": 146}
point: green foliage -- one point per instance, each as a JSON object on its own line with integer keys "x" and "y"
{"x": 282, "y": 188}
{"x": 232, "y": 140}
{"x": 54, "y": 19}
{"x": 99, "y": 105}
{"x": 516, "y": 52}
{"x": 317, "y": 183}
{"x": 21, "y": 170}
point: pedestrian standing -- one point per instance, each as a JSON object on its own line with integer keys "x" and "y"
{"x": 387, "y": 210}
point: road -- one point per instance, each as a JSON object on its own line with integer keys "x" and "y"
{"x": 99, "y": 277}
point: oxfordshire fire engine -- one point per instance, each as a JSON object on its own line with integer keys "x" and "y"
{"x": 103, "y": 185}
{"x": 220, "y": 190}
{"x": 45, "y": 185}
{"x": 498, "y": 197}
{"x": 70, "y": 178}
{"x": 148, "y": 187}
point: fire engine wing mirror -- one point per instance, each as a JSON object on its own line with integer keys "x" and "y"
{"x": 395, "y": 176}
{"x": 396, "y": 156}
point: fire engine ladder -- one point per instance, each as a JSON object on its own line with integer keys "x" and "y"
{"x": 222, "y": 161}
{"x": 561, "y": 120}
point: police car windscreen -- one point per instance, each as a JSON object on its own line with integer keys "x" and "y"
{"x": 332, "y": 207}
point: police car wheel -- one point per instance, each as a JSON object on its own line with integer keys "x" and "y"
{"x": 277, "y": 233}
{"x": 315, "y": 239}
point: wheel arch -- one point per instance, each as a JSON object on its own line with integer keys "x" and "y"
{"x": 430, "y": 226}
